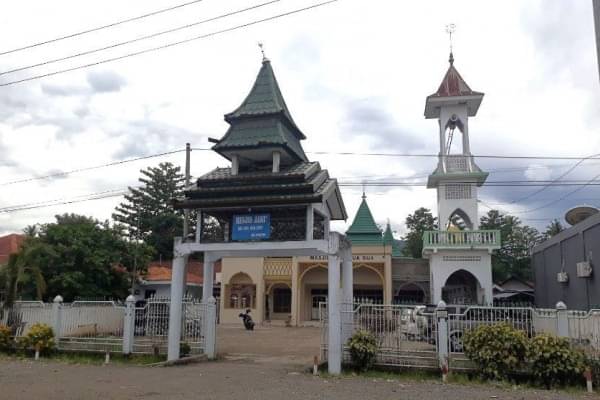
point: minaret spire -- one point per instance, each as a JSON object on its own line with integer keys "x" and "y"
{"x": 450, "y": 29}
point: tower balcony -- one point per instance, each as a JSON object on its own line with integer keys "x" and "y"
{"x": 461, "y": 240}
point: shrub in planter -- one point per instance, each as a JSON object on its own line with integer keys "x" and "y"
{"x": 6, "y": 344}
{"x": 552, "y": 360}
{"x": 499, "y": 350}
{"x": 363, "y": 349}
{"x": 40, "y": 337}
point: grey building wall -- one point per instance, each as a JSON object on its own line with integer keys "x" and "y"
{"x": 562, "y": 253}
{"x": 411, "y": 271}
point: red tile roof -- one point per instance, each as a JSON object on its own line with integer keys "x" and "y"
{"x": 10, "y": 244}
{"x": 162, "y": 271}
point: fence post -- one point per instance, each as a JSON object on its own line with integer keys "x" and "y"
{"x": 441, "y": 314}
{"x": 129, "y": 324}
{"x": 57, "y": 318}
{"x": 562, "y": 320}
{"x": 210, "y": 329}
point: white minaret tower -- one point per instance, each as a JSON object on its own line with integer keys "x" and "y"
{"x": 460, "y": 254}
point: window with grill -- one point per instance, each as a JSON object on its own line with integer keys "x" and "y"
{"x": 458, "y": 191}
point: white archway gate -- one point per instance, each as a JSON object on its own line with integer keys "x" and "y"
{"x": 339, "y": 272}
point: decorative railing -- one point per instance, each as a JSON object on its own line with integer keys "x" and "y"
{"x": 457, "y": 163}
{"x": 448, "y": 239}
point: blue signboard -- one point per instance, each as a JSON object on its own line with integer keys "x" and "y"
{"x": 251, "y": 227}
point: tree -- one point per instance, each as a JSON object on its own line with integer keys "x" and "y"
{"x": 79, "y": 256}
{"x": 147, "y": 213}
{"x": 554, "y": 228}
{"x": 513, "y": 258}
{"x": 422, "y": 220}
{"x": 24, "y": 271}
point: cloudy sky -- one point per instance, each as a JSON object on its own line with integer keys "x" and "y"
{"x": 354, "y": 73}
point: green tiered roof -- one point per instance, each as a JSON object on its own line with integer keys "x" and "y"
{"x": 364, "y": 230}
{"x": 263, "y": 120}
{"x": 388, "y": 239}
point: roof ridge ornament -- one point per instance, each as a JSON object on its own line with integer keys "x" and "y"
{"x": 450, "y": 29}
{"x": 262, "y": 50}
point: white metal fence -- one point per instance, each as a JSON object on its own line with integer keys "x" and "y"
{"x": 409, "y": 335}
{"x": 102, "y": 325}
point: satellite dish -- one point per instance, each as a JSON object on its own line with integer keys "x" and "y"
{"x": 577, "y": 214}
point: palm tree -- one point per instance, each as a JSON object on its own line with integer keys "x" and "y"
{"x": 26, "y": 266}
{"x": 554, "y": 228}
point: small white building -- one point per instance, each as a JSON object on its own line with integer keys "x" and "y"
{"x": 459, "y": 253}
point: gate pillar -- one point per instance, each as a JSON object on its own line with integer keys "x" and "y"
{"x": 177, "y": 288}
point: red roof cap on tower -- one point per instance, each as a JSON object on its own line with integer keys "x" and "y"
{"x": 453, "y": 84}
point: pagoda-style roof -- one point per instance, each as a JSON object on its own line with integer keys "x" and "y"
{"x": 364, "y": 230}
{"x": 300, "y": 184}
{"x": 388, "y": 239}
{"x": 452, "y": 91}
{"x": 262, "y": 122}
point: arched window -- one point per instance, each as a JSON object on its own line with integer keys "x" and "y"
{"x": 240, "y": 292}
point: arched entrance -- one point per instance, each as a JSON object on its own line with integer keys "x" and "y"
{"x": 410, "y": 293}
{"x": 278, "y": 301}
{"x": 313, "y": 286}
{"x": 461, "y": 287}
{"x": 368, "y": 284}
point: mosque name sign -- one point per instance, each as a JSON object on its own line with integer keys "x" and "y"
{"x": 355, "y": 258}
{"x": 251, "y": 227}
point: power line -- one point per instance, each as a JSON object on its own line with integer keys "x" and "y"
{"x": 65, "y": 173}
{"x": 172, "y": 44}
{"x": 27, "y": 206}
{"x": 118, "y": 44}
{"x": 556, "y": 180}
{"x": 32, "y": 207}
{"x": 98, "y": 28}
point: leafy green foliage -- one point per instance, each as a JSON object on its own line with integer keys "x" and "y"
{"x": 363, "y": 349}
{"x": 513, "y": 258}
{"x": 6, "y": 342}
{"x": 422, "y": 220}
{"x": 39, "y": 337}
{"x": 554, "y": 228}
{"x": 75, "y": 257}
{"x": 498, "y": 349}
{"x": 184, "y": 349}
{"x": 552, "y": 360}
{"x": 147, "y": 213}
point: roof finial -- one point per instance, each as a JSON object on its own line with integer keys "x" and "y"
{"x": 262, "y": 50}
{"x": 364, "y": 196}
{"x": 450, "y": 29}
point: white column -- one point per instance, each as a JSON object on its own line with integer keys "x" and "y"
{"x": 210, "y": 329}
{"x": 310, "y": 222}
{"x": 441, "y": 313}
{"x": 208, "y": 278}
{"x": 235, "y": 166}
{"x": 347, "y": 295}
{"x": 295, "y": 316}
{"x": 199, "y": 226}
{"x": 177, "y": 289}
{"x": 276, "y": 161}
{"x": 334, "y": 346}
{"x": 562, "y": 320}
{"x": 129, "y": 324}
{"x": 57, "y": 318}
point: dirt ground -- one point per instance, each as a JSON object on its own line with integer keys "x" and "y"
{"x": 254, "y": 366}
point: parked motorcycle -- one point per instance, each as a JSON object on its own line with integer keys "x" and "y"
{"x": 247, "y": 320}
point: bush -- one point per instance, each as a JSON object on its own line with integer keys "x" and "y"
{"x": 552, "y": 360}
{"x": 184, "y": 349}
{"x": 40, "y": 337}
{"x": 498, "y": 349}
{"x": 6, "y": 344}
{"x": 363, "y": 349}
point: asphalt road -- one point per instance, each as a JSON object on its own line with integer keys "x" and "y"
{"x": 228, "y": 379}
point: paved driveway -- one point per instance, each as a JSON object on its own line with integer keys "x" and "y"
{"x": 275, "y": 344}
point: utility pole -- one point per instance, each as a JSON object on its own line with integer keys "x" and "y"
{"x": 596, "y": 6}
{"x": 186, "y": 212}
